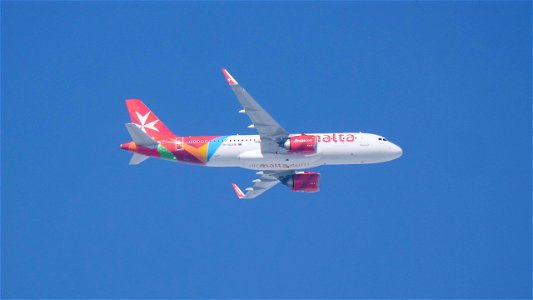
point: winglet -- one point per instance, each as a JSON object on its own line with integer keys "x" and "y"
{"x": 238, "y": 191}
{"x": 229, "y": 78}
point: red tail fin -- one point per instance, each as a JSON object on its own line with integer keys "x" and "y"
{"x": 147, "y": 121}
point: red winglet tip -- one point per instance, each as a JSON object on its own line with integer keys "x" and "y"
{"x": 229, "y": 78}
{"x": 238, "y": 191}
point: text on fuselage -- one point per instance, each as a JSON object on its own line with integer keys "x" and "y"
{"x": 336, "y": 138}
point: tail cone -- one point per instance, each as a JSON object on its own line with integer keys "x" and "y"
{"x": 128, "y": 146}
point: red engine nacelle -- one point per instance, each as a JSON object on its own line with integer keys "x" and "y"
{"x": 304, "y": 144}
{"x": 308, "y": 182}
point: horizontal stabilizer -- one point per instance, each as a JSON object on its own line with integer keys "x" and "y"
{"x": 138, "y": 158}
{"x": 140, "y": 137}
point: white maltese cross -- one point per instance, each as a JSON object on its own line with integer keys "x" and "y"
{"x": 143, "y": 124}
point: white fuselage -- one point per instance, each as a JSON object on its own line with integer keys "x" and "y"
{"x": 332, "y": 149}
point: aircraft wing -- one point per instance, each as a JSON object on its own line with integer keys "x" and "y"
{"x": 267, "y": 180}
{"x": 271, "y": 133}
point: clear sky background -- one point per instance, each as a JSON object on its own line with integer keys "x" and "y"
{"x": 450, "y": 82}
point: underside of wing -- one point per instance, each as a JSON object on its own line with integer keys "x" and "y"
{"x": 271, "y": 133}
{"x": 267, "y": 180}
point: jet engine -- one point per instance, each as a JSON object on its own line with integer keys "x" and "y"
{"x": 307, "y": 182}
{"x": 303, "y": 144}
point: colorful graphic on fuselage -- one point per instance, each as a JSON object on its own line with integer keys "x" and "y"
{"x": 192, "y": 149}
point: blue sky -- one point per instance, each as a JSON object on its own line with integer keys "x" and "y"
{"x": 450, "y": 82}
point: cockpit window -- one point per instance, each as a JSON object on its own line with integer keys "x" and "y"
{"x": 384, "y": 139}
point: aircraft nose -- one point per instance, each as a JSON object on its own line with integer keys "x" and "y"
{"x": 395, "y": 151}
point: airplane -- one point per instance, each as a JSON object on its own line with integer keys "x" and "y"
{"x": 277, "y": 155}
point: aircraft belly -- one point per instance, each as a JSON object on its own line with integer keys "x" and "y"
{"x": 256, "y": 160}
{"x": 250, "y": 157}
{"x": 225, "y": 157}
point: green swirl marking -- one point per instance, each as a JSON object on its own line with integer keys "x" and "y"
{"x": 164, "y": 153}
